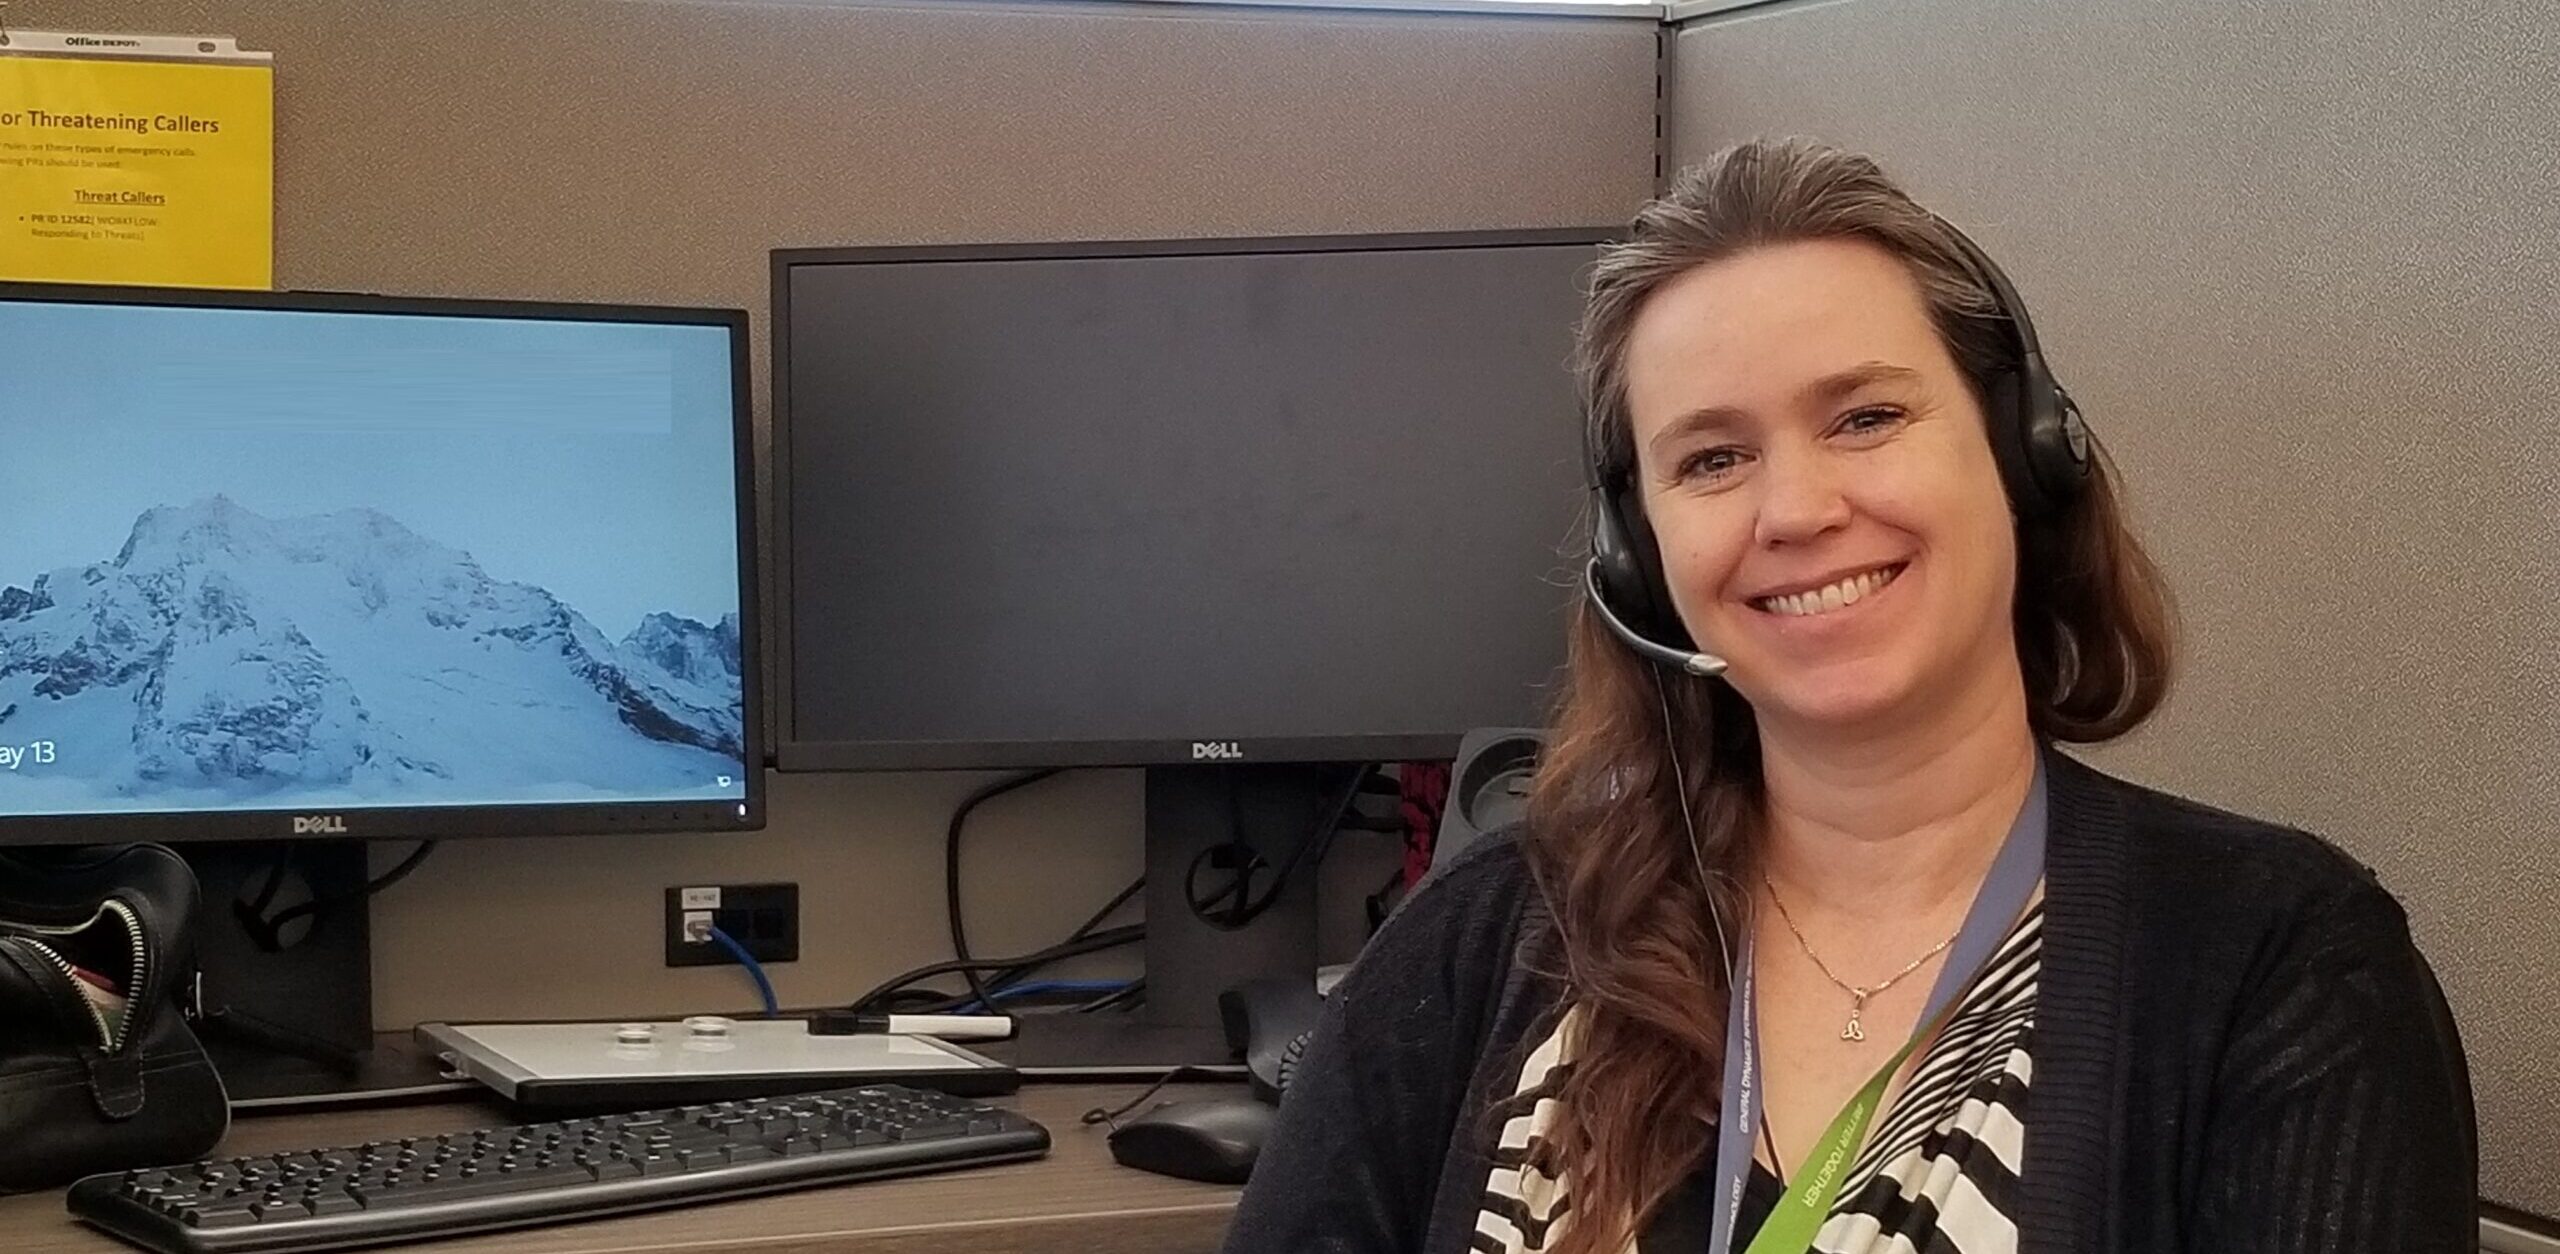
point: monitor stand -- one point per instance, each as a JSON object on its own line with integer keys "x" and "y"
{"x": 1190, "y": 812}
{"x": 294, "y": 1027}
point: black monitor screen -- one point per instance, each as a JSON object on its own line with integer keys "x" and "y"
{"x": 338, "y": 564}
{"x": 1257, "y": 500}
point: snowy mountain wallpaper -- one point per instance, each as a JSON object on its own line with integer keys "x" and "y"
{"x": 298, "y": 561}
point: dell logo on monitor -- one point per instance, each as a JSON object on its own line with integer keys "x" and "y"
{"x": 319, "y": 824}
{"x": 1216, "y": 750}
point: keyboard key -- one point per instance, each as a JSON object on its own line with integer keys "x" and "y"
{"x": 218, "y": 1217}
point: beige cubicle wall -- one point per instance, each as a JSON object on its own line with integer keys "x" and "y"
{"x": 2297, "y": 261}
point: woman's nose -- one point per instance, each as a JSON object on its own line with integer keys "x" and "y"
{"x": 1801, "y": 497}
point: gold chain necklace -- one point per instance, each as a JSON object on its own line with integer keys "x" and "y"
{"x": 1858, "y": 994}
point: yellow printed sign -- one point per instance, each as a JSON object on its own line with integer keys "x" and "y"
{"x": 136, "y": 159}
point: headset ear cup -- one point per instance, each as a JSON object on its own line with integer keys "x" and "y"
{"x": 2063, "y": 454}
{"x": 2036, "y": 433}
{"x": 2012, "y": 432}
{"x": 1615, "y": 560}
{"x": 2056, "y": 441}
{"x": 1613, "y": 565}
{"x": 1625, "y": 558}
{"x": 1653, "y": 593}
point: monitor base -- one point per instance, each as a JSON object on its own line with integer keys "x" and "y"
{"x": 394, "y": 1071}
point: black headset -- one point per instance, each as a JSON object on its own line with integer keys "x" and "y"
{"x": 2037, "y": 436}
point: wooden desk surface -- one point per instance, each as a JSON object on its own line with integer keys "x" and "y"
{"x": 1075, "y": 1200}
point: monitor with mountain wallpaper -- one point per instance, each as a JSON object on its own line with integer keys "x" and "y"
{"x": 282, "y": 564}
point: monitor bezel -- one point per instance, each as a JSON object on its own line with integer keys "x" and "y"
{"x": 440, "y": 822}
{"x": 1211, "y": 746}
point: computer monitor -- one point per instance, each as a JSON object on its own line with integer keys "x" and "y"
{"x": 282, "y": 565}
{"x": 1252, "y": 505}
{"x": 1132, "y": 504}
{"x": 320, "y": 568}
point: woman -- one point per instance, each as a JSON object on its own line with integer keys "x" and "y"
{"x": 1811, "y": 939}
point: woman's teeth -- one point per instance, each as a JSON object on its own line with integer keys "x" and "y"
{"x": 1840, "y": 595}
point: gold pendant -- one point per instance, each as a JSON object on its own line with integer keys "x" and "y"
{"x": 1857, "y": 1006}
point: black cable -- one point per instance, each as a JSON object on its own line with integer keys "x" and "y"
{"x": 252, "y": 914}
{"x": 1247, "y": 855}
{"x": 1001, "y": 979}
{"x": 268, "y": 930}
{"x": 1248, "y": 907}
{"x": 1109, "y": 938}
{"x": 275, "y": 882}
{"x": 1110, "y": 907}
{"x": 1210, "y": 908}
{"x": 895, "y": 987}
{"x": 924, "y": 1000}
{"x": 1085, "y": 928}
{"x": 1245, "y": 860}
{"x": 1136, "y": 992}
{"x": 1319, "y": 843}
{"x": 1112, "y": 1115}
{"x": 951, "y": 868}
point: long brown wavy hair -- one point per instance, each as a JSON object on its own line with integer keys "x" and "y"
{"x": 1631, "y": 900}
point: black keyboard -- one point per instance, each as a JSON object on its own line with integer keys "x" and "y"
{"x": 543, "y": 1173}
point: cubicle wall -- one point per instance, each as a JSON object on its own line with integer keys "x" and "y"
{"x": 2298, "y": 262}
{"x": 654, "y": 150}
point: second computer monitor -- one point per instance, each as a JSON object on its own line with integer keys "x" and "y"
{"x": 1261, "y": 500}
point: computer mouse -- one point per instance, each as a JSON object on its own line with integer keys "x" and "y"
{"x": 1214, "y": 1139}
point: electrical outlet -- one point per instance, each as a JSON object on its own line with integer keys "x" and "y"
{"x": 763, "y": 918}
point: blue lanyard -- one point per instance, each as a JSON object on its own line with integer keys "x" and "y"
{"x": 2004, "y": 894}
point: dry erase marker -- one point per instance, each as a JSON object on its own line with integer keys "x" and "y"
{"x": 948, "y": 1027}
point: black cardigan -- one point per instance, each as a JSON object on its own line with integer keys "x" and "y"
{"x": 2238, "y": 1051}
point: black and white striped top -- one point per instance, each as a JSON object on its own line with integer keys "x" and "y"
{"x": 1939, "y": 1172}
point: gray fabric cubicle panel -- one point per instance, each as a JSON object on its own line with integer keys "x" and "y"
{"x": 2297, "y": 260}
{"x": 655, "y": 150}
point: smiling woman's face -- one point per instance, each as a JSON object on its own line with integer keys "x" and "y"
{"x": 1818, "y": 476}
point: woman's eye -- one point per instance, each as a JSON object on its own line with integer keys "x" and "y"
{"x": 1709, "y": 463}
{"x": 1870, "y": 421}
